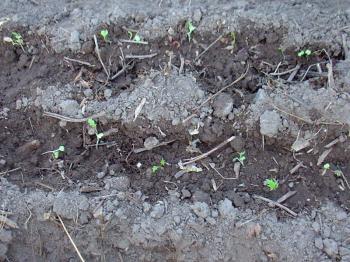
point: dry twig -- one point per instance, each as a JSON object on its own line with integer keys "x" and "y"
{"x": 73, "y": 120}
{"x": 276, "y": 204}
{"x": 97, "y": 50}
{"x": 71, "y": 240}
{"x": 224, "y": 88}
{"x": 78, "y": 61}
{"x": 213, "y": 43}
{"x": 140, "y": 56}
{"x": 197, "y": 158}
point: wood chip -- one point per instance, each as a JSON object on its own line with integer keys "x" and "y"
{"x": 139, "y": 108}
{"x": 6, "y": 221}
{"x": 323, "y": 156}
{"x": 299, "y": 144}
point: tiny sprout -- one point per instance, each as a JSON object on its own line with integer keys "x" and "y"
{"x": 233, "y": 39}
{"x": 326, "y": 166}
{"x": 189, "y": 29}
{"x": 130, "y": 34}
{"x": 15, "y": 39}
{"x": 304, "y": 53}
{"x": 155, "y": 169}
{"x": 104, "y": 33}
{"x": 99, "y": 136}
{"x": 56, "y": 153}
{"x": 241, "y": 157}
{"x": 272, "y": 184}
{"x": 338, "y": 173}
{"x": 162, "y": 162}
{"x": 91, "y": 123}
{"x": 137, "y": 38}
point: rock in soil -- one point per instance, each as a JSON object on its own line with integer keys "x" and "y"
{"x": 201, "y": 209}
{"x": 67, "y": 205}
{"x": 330, "y": 247}
{"x": 158, "y": 210}
{"x": 270, "y": 123}
{"x": 121, "y": 183}
{"x": 222, "y": 105}
{"x": 226, "y": 208}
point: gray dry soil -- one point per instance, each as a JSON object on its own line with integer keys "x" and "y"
{"x": 122, "y": 225}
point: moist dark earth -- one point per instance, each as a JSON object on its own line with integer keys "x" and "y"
{"x": 21, "y": 72}
{"x": 257, "y": 55}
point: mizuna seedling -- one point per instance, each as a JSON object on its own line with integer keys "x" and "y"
{"x": 241, "y": 157}
{"x": 91, "y": 123}
{"x": 271, "y": 183}
{"x": 156, "y": 168}
{"x": 189, "y": 29}
{"x": 57, "y": 153}
{"x": 104, "y": 33}
{"x": 305, "y": 53}
{"x": 326, "y": 166}
{"x": 16, "y": 39}
{"x": 136, "y": 38}
{"x": 338, "y": 173}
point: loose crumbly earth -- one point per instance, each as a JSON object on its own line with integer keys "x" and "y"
{"x": 289, "y": 114}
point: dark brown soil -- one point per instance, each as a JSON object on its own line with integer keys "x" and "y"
{"x": 21, "y": 73}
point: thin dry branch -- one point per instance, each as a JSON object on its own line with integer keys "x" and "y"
{"x": 78, "y": 61}
{"x": 276, "y": 204}
{"x": 71, "y": 119}
{"x": 197, "y": 158}
{"x": 224, "y": 88}
{"x": 213, "y": 43}
{"x": 140, "y": 56}
{"x": 71, "y": 240}
{"x": 97, "y": 50}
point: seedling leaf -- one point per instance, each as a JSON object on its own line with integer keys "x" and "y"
{"x": 271, "y": 183}
{"x": 162, "y": 162}
{"x": 189, "y": 29}
{"x": 326, "y": 166}
{"x": 56, "y": 153}
{"x": 17, "y": 39}
{"x": 305, "y": 53}
{"x": 155, "y": 169}
{"x": 91, "y": 123}
{"x": 241, "y": 158}
{"x": 338, "y": 173}
{"x": 99, "y": 136}
{"x": 137, "y": 38}
{"x": 104, "y": 34}
{"x": 130, "y": 34}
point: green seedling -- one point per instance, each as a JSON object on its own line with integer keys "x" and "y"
{"x": 241, "y": 157}
{"x": 338, "y": 173}
{"x": 326, "y": 166}
{"x": 104, "y": 33}
{"x": 156, "y": 168}
{"x": 16, "y": 39}
{"x": 136, "y": 38}
{"x": 189, "y": 29}
{"x": 271, "y": 183}
{"x": 305, "y": 53}
{"x": 91, "y": 123}
{"x": 57, "y": 153}
{"x": 162, "y": 162}
{"x": 99, "y": 136}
